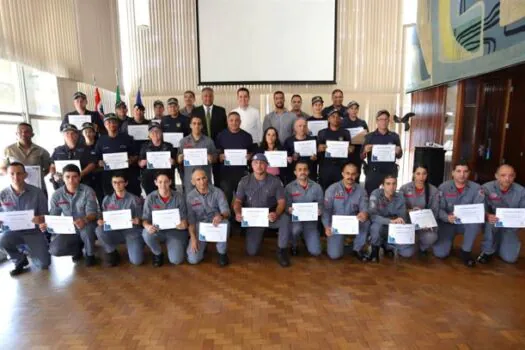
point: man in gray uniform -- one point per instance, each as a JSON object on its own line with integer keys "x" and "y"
{"x": 121, "y": 199}
{"x": 501, "y": 193}
{"x": 206, "y": 204}
{"x": 79, "y": 201}
{"x": 346, "y": 197}
{"x": 387, "y": 207}
{"x": 457, "y": 191}
{"x": 21, "y": 196}
{"x": 196, "y": 139}
{"x": 304, "y": 190}
{"x": 262, "y": 190}
{"x": 280, "y": 118}
{"x": 176, "y": 239}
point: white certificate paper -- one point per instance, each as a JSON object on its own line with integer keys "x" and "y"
{"x": 173, "y": 138}
{"x": 469, "y": 213}
{"x": 158, "y": 160}
{"x": 165, "y": 219}
{"x": 114, "y": 161}
{"x": 305, "y": 212}
{"x": 60, "y": 164}
{"x": 195, "y": 156}
{"x": 317, "y": 125}
{"x": 210, "y": 233}
{"x": 235, "y": 157}
{"x": 17, "y": 220}
{"x": 255, "y": 217}
{"x": 423, "y": 219}
{"x": 305, "y": 148}
{"x": 138, "y": 132}
{"x": 401, "y": 234}
{"x": 60, "y": 225}
{"x": 277, "y": 159}
{"x": 78, "y": 119}
{"x": 355, "y": 131}
{"x": 383, "y": 153}
{"x": 117, "y": 220}
{"x": 345, "y": 225}
{"x": 34, "y": 175}
{"x": 337, "y": 149}
{"x": 510, "y": 217}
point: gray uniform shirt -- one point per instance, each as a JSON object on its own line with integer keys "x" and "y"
{"x": 260, "y": 194}
{"x": 495, "y": 198}
{"x": 282, "y": 122}
{"x": 203, "y": 207}
{"x": 154, "y": 202}
{"x": 31, "y": 199}
{"x": 413, "y": 199}
{"x": 129, "y": 201}
{"x": 449, "y": 196}
{"x": 382, "y": 210}
{"x": 339, "y": 201}
{"x": 80, "y": 204}
{"x": 295, "y": 193}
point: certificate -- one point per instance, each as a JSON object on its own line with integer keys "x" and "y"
{"x": 158, "y": 160}
{"x": 17, "y": 220}
{"x": 305, "y": 212}
{"x": 255, "y": 217}
{"x": 401, "y": 234}
{"x": 60, "y": 164}
{"x": 510, "y": 217}
{"x": 357, "y": 135}
{"x": 345, "y": 225}
{"x": 317, "y": 125}
{"x": 383, "y": 153}
{"x": 210, "y": 233}
{"x": 165, "y": 219}
{"x": 305, "y": 148}
{"x": 469, "y": 213}
{"x": 235, "y": 157}
{"x": 78, "y": 119}
{"x": 117, "y": 220}
{"x": 195, "y": 156}
{"x": 277, "y": 159}
{"x": 173, "y": 138}
{"x": 423, "y": 219}
{"x": 114, "y": 161}
{"x": 60, "y": 225}
{"x": 34, "y": 175}
{"x": 138, "y": 132}
{"x": 337, "y": 149}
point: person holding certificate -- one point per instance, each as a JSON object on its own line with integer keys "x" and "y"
{"x": 454, "y": 192}
{"x": 271, "y": 143}
{"x": 419, "y": 195}
{"x": 79, "y": 201}
{"x": 20, "y": 196}
{"x": 80, "y": 104}
{"x": 377, "y": 168}
{"x": 176, "y": 238}
{"x": 110, "y": 238}
{"x": 352, "y": 121}
{"x": 196, "y": 139}
{"x": 346, "y": 197}
{"x": 90, "y": 141}
{"x": 155, "y": 144}
{"x": 317, "y": 117}
{"x": 206, "y": 204}
{"x": 387, "y": 207}
{"x": 502, "y": 194}
{"x": 263, "y": 190}
{"x": 329, "y": 166}
{"x": 302, "y": 147}
{"x": 304, "y": 190}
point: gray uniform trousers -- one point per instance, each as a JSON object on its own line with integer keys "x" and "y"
{"x": 255, "y": 235}
{"x": 195, "y": 258}
{"x": 504, "y": 241}
{"x": 176, "y": 242}
{"x": 446, "y": 234}
{"x": 13, "y": 241}
{"x": 132, "y": 237}
{"x": 425, "y": 239}
{"x": 311, "y": 235}
{"x": 60, "y": 243}
{"x": 336, "y": 243}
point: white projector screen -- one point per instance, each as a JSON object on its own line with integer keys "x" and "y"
{"x": 266, "y": 41}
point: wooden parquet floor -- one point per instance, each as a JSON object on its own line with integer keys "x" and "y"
{"x": 255, "y": 304}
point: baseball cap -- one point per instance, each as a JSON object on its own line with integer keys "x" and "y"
{"x": 333, "y": 111}
{"x": 110, "y": 116}
{"x": 158, "y": 103}
{"x": 152, "y": 125}
{"x": 261, "y": 157}
{"x": 352, "y": 103}
{"x": 139, "y": 106}
{"x": 121, "y": 104}
{"x": 69, "y": 127}
{"x": 79, "y": 94}
{"x": 316, "y": 99}
{"x": 173, "y": 101}
{"x": 88, "y": 125}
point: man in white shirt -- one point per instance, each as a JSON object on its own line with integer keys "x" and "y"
{"x": 250, "y": 117}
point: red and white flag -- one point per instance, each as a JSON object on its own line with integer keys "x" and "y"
{"x": 98, "y": 104}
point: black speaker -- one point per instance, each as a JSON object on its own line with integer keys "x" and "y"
{"x": 434, "y": 159}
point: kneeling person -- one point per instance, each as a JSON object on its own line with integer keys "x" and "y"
{"x": 122, "y": 200}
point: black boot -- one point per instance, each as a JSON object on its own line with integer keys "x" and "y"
{"x": 282, "y": 257}
{"x": 360, "y": 256}
{"x": 158, "y": 260}
{"x": 223, "y": 260}
{"x": 90, "y": 261}
{"x": 484, "y": 258}
{"x": 113, "y": 258}
{"x": 20, "y": 267}
{"x": 77, "y": 257}
{"x": 294, "y": 251}
{"x": 467, "y": 258}
{"x": 374, "y": 255}
{"x": 389, "y": 253}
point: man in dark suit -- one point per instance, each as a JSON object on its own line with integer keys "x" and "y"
{"x": 213, "y": 120}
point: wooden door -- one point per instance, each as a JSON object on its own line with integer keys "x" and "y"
{"x": 514, "y": 144}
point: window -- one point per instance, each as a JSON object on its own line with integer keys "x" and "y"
{"x": 8, "y": 136}
{"x": 41, "y": 92}
{"x": 47, "y": 133}
{"x": 9, "y": 88}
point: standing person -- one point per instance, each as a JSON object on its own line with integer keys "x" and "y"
{"x": 121, "y": 199}
{"x": 501, "y": 193}
{"x": 176, "y": 239}
{"x": 22, "y": 196}
{"x": 271, "y": 142}
{"x": 337, "y": 104}
{"x": 353, "y": 121}
{"x": 232, "y": 138}
{"x": 280, "y": 118}
{"x": 304, "y": 190}
{"x": 90, "y": 140}
{"x": 376, "y": 171}
{"x": 263, "y": 190}
{"x": 346, "y": 197}
{"x": 297, "y": 102}
{"x": 121, "y": 111}
{"x": 317, "y": 109}
{"x": 158, "y": 111}
{"x": 80, "y": 104}
{"x": 133, "y": 172}
{"x": 250, "y": 117}
{"x": 420, "y": 194}
{"x": 206, "y": 204}
{"x": 300, "y": 134}
{"x": 457, "y": 191}
{"x": 189, "y": 103}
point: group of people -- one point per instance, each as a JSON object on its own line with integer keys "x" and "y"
{"x": 86, "y": 192}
